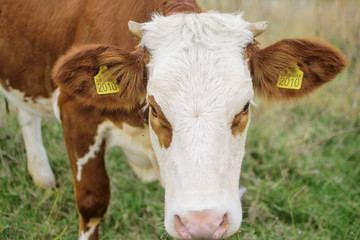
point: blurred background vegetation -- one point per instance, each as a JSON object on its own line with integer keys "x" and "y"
{"x": 301, "y": 169}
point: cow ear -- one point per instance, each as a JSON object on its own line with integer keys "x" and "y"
{"x": 121, "y": 76}
{"x": 274, "y": 67}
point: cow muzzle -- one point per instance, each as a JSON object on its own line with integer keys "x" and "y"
{"x": 205, "y": 224}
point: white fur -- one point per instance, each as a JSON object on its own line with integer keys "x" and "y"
{"x": 55, "y": 105}
{"x": 242, "y": 191}
{"x": 37, "y": 160}
{"x": 92, "y": 224}
{"x": 200, "y": 79}
{"x": 39, "y": 106}
{"x": 86, "y": 235}
{"x": 135, "y": 143}
{"x": 30, "y": 112}
{"x": 101, "y": 133}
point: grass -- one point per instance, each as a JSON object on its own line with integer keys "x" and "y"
{"x": 301, "y": 168}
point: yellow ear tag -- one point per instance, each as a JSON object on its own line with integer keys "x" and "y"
{"x": 102, "y": 87}
{"x": 290, "y": 78}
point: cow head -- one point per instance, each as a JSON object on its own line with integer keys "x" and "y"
{"x": 202, "y": 71}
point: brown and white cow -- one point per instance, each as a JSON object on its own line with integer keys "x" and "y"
{"x": 180, "y": 103}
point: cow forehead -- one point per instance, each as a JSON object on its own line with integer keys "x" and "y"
{"x": 183, "y": 31}
{"x": 199, "y": 89}
{"x": 197, "y": 64}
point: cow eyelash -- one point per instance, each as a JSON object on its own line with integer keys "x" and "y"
{"x": 246, "y": 108}
{"x": 153, "y": 111}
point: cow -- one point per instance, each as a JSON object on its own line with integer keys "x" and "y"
{"x": 167, "y": 83}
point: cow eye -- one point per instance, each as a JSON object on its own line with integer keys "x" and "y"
{"x": 246, "y": 108}
{"x": 153, "y": 111}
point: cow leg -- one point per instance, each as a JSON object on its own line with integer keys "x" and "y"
{"x": 37, "y": 160}
{"x": 92, "y": 193}
{"x": 85, "y": 139}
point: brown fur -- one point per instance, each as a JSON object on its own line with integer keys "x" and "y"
{"x": 179, "y": 6}
{"x": 160, "y": 124}
{"x": 92, "y": 194}
{"x": 74, "y": 74}
{"x": 239, "y": 123}
{"x": 34, "y": 33}
{"x": 80, "y": 124}
{"x": 319, "y": 61}
{"x": 32, "y": 36}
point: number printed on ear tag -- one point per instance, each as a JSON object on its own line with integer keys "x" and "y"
{"x": 290, "y": 78}
{"x": 105, "y": 87}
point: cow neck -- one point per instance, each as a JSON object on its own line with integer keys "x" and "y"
{"x": 136, "y": 117}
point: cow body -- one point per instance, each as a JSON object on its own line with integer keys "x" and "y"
{"x": 181, "y": 113}
{"x": 34, "y": 34}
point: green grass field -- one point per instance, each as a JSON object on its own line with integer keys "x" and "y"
{"x": 301, "y": 169}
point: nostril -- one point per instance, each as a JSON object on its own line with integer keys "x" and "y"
{"x": 180, "y": 228}
{"x": 202, "y": 224}
{"x": 222, "y": 229}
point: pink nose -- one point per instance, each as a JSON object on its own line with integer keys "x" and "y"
{"x": 202, "y": 225}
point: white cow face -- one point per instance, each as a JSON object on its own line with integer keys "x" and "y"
{"x": 199, "y": 91}
{"x": 199, "y": 88}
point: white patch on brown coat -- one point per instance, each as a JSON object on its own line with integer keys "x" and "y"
{"x": 134, "y": 142}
